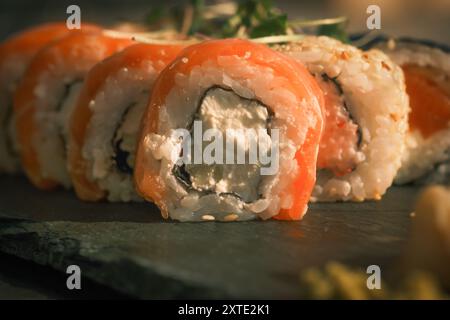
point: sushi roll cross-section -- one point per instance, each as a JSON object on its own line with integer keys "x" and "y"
{"x": 227, "y": 99}
{"x": 427, "y": 76}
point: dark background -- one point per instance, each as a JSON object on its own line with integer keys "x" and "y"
{"x": 428, "y": 19}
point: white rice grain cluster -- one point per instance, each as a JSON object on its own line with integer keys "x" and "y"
{"x": 55, "y": 101}
{"x": 117, "y": 110}
{"x": 374, "y": 91}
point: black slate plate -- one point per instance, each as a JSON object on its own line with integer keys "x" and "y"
{"x": 131, "y": 249}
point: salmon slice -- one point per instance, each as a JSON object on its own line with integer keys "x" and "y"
{"x": 27, "y": 43}
{"x": 292, "y": 76}
{"x": 68, "y": 58}
{"x": 130, "y": 58}
{"x": 429, "y": 99}
{"x": 340, "y": 134}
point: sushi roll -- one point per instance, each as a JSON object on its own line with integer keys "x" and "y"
{"x": 15, "y": 54}
{"x": 45, "y": 98}
{"x": 366, "y": 110}
{"x": 427, "y": 75}
{"x": 209, "y": 112}
{"x": 105, "y": 122}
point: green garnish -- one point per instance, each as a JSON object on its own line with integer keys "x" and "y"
{"x": 256, "y": 18}
{"x": 270, "y": 27}
{"x": 195, "y": 10}
{"x": 243, "y": 19}
{"x": 335, "y": 31}
{"x": 156, "y": 15}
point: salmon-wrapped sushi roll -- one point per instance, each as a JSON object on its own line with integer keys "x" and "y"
{"x": 366, "y": 118}
{"x": 46, "y": 97}
{"x": 105, "y": 121}
{"x": 231, "y": 133}
{"x": 15, "y": 54}
{"x": 426, "y": 66}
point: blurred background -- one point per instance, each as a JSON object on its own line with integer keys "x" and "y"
{"x": 428, "y": 19}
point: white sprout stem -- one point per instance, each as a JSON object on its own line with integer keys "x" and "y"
{"x": 317, "y": 22}
{"x": 278, "y": 39}
{"x": 372, "y": 34}
{"x": 149, "y": 37}
{"x": 220, "y": 9}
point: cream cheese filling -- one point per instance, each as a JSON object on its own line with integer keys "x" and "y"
{"x": 228, "y": 113}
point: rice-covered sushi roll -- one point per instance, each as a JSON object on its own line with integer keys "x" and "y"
{"x": 105, "y": 122}
{"x": 231, "y": 133}
{"x": 366, "y": 110}
{"x": 427, "y": 75}
{"x": 45, "y": 98}
{"x": 15, "y": 54}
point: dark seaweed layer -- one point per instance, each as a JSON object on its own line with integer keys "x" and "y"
{"x": 405, "y": 40}
{"x": 120, "y": 156}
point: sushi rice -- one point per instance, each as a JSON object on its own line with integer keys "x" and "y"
{"x": 116, "y": 120}
{"x": 366, "y": 113}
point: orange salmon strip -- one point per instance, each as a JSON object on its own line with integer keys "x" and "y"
{"x": 27, "y": 43}
{"x": 430, "y": 104}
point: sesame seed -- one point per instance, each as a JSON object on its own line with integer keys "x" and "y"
{"x": 344, "y": 55}
{"x": 208, "y": 217}
{"x": 385, "y": 65}
{"x": 231, "y": 217}
{"x": 391, "y": 44}
{"x": 394, "y": 117}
